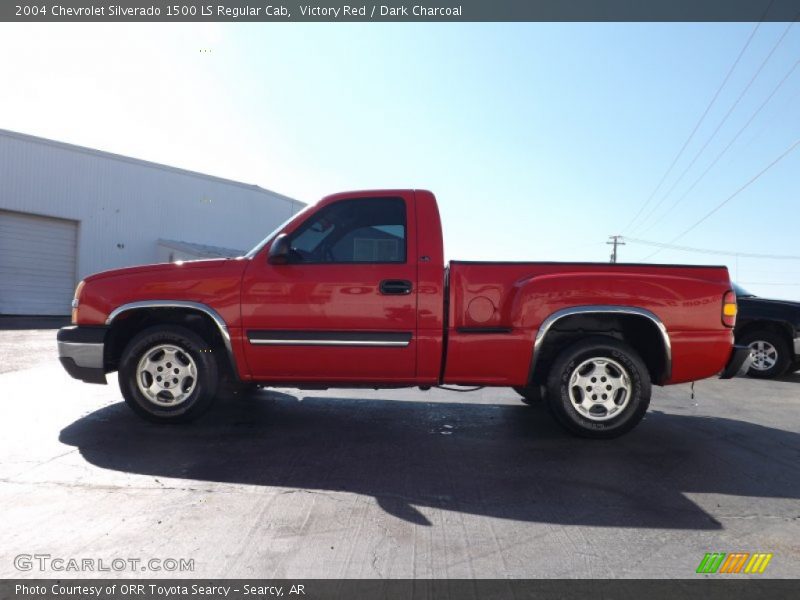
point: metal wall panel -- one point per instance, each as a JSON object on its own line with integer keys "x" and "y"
{"x": 124, "y": 205}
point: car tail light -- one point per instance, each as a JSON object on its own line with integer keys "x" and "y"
{"x": 729, "y": 309}
{"x": 76, "y": 302}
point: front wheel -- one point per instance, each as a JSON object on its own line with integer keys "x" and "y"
{"x": 168, "y": 374}
{"x": 598, "y": 388}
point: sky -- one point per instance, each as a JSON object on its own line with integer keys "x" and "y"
{"x": 539, "y": 140}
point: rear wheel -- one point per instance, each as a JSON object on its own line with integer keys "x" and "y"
{"x": 168, "y": 374}
{"x": 598, "y": 388}
{"x": 770, "y": 354}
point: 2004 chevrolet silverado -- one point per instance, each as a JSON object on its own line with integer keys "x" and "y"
{"x": 354, "y": 292}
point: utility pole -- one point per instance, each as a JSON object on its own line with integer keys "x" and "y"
{"x": 615, "y": 240}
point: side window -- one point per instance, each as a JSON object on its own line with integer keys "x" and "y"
{"x": 371, "y": 230}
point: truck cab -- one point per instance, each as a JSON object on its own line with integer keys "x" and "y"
{"x": 335, "y": 297}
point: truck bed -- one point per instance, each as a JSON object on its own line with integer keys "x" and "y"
{"x": 502, "y": 305}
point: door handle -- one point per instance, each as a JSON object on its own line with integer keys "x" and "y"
{"x": 396, "y": 287}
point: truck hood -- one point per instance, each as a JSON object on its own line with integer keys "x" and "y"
{"x": 173, "y": 271}
{"x": 770, "y": 302}
{"x": 215, "y": 283}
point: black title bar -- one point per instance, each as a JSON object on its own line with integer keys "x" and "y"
{"x": 413, "y": 11}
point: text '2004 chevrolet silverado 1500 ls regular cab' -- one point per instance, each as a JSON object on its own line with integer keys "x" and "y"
{"x": 354, "y": 292}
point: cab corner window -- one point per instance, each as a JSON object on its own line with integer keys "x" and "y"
{"x": 370, "y": 230}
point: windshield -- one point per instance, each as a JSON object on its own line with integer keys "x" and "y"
{"x": 741, "y": 292}
{"x": 275, "y": 233}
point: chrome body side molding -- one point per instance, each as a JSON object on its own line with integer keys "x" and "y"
{"x": 330, "y": 338}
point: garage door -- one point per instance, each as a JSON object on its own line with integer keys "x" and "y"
{"x": 37, "y": 264}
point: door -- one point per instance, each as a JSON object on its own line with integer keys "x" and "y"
{"x": 37, "y": 264}
{"x": 344, "y": 308}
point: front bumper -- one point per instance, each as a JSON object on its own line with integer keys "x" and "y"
{"x": 81, "y": 351}
{"x": 738, "y": 363}
{"x": 797, "y": 347}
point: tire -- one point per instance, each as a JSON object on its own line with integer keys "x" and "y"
{"x": 771, "y": 356}
{"x": 612, "y": 363}
{"x": 531, "y": 394}
{"x": 186, "y": 357}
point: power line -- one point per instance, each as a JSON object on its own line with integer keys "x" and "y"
{"x": 783, "y": 155}
{"x": 720, "y": 124}
{"x": 726, "y": 148}
{"x": 665, "y": 246}
{"x": 752, "y": 180}
{"x": 702, "y": 118}
{"x": 792, "y": 102}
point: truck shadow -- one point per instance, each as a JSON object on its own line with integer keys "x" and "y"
{"x": 502, "y": 461}
{"x": 792, "y": 377}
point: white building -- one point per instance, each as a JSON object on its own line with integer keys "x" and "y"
{"x": 68, "y": 211}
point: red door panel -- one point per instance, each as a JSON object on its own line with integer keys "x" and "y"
{"x": 332, "y": 322}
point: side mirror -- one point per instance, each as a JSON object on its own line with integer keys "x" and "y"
{"x": 279, "y": 251}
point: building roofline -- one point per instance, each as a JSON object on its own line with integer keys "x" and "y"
{"x": 138, "y": 161}
{"x": 198, "y": 248}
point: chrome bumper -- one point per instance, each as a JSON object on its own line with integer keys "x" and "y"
{"x": 84, "y": 355}
{"x": 81, "y": 351}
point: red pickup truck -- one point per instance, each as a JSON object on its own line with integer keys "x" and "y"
{"x": 354, "y": 292}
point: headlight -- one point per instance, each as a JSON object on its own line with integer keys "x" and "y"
{"x": 76, "y": 301}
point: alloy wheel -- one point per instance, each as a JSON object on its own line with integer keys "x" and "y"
{"x": 600, "y": 388}
{"x": 764, "y": 354}
{"x": 166, "y": 375}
